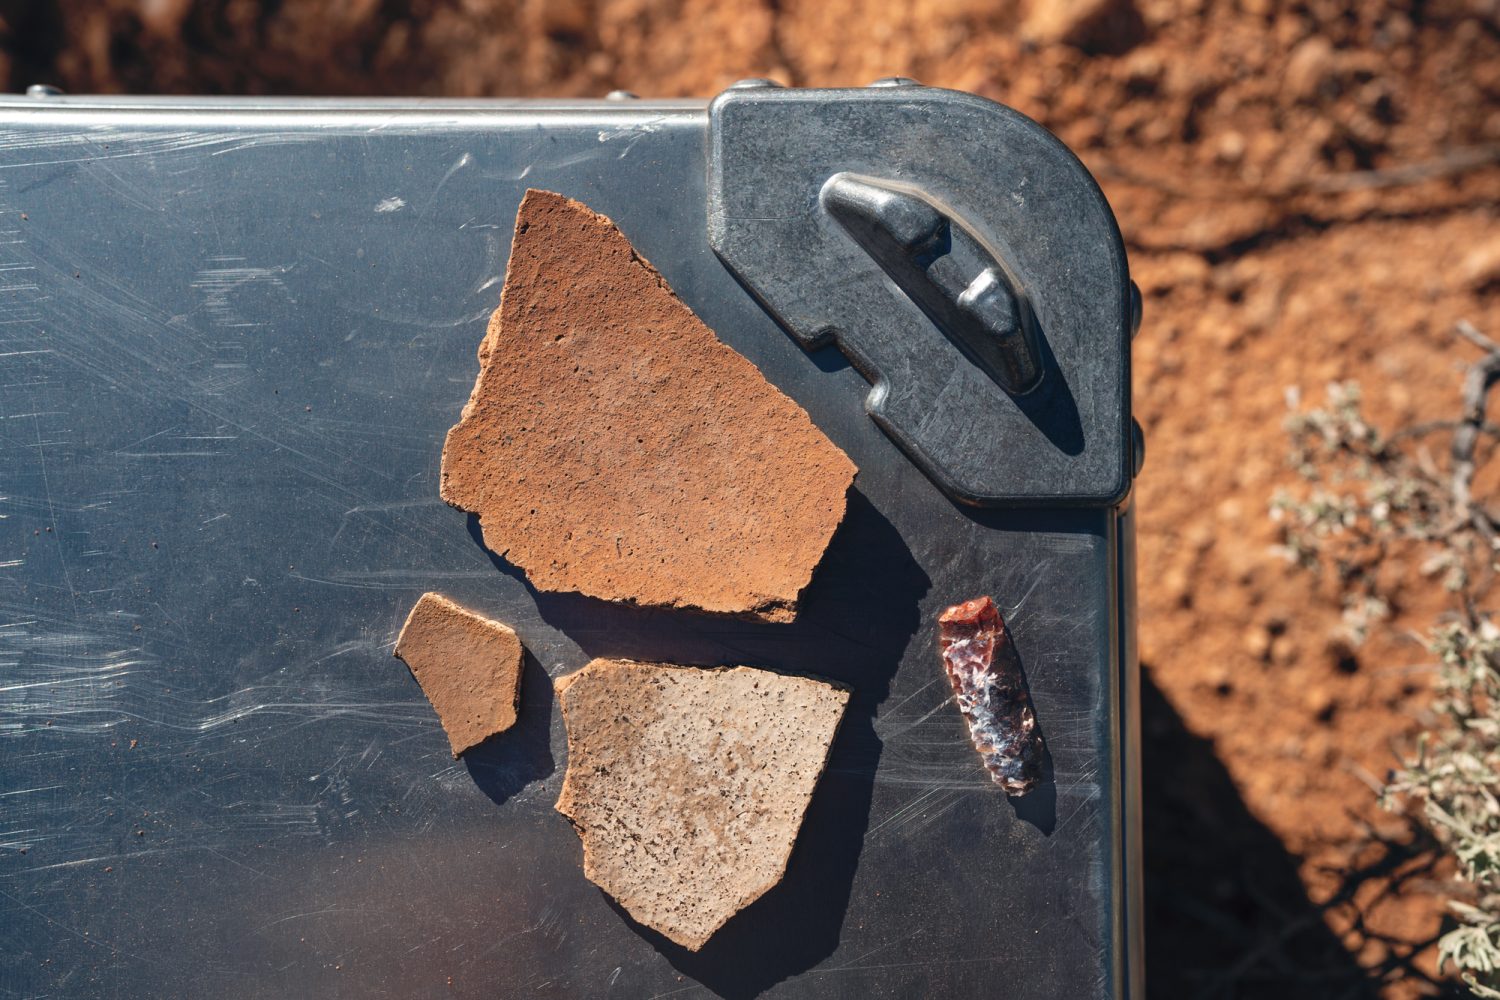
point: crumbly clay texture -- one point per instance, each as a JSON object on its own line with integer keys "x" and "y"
{"x": 688, "y": 785}
{"x": 614, "y": 446}
{"x": 469, "y": 668}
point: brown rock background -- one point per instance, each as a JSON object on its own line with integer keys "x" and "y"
{"x": 1309, "y": 191}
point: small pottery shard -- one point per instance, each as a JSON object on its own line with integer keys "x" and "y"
{"x": 988, "y": 684}
{"x": 687, "y": 785}
{"x": 613, "y": 446}
{"x": 469, "y": 668}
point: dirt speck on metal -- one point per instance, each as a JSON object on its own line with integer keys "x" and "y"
{"x": 688, "y": 785}
{"x": 615, "y": 447}
{"x": 469, "y": 668}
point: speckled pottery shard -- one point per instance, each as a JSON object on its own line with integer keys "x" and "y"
{"x": 687, "y": 785}
{"x": 990, "y": 689}
{"x": 614, "y": 446}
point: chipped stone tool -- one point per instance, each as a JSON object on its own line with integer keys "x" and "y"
{"x": 985, "y": 672}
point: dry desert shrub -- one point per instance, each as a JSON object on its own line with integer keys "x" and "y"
{"x": 1366, "y": 494}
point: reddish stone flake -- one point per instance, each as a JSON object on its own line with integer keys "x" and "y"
{"x": 985, "y": 672}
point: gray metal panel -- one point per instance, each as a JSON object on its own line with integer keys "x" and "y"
{"x": 230, "y": 345}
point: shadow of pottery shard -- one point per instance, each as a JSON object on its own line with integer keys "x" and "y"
{"x": 687, "y": 785}
{"x": 990, "y": 689}
{"x": 469, "y": 668}
{"x": 613, "y": 446}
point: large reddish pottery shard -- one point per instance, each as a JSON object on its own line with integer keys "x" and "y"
{"x": 613, "y": 446}
{"x": 469, "y": 668}
{"x": 687, "y": 785}
{"x": 985, "y": 672}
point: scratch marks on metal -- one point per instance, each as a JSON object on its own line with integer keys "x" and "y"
{"x": 463, "y": 161}
{"x": 91, "y": 939}
{"x": 394, "y": 579}
{"x": 176, "y": 446}
{"x": 922, "y": 810}
{"x": 631, "y": 134}
{"x": 72, "y": 682}
{"x": 219, "y": 287}
{"x": 104, "y": 142}
{"x": 1086, "y": 791}
{"x": 304, "y": 916}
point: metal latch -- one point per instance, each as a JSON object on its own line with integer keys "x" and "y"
{"x": 960, "y": 256}
{"x": 945, "y": 269}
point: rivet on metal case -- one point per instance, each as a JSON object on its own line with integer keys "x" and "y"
{"x": 1135, "y": 309}
{"x": 622, "y": 95}
{"x": 896, "y": 81}
{"x": 1137, "y": 446}
{"x": 43, "y": 90}
{"x": 754, "y": 83}
{"x": 944, "y": 267}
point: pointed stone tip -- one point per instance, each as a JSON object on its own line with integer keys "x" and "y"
{"x": 970, "y": 611}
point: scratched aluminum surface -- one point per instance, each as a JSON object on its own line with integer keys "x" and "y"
{"x": 231, "y": 342}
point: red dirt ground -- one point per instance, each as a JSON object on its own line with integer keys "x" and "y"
{"x": 1309, "y": 192}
